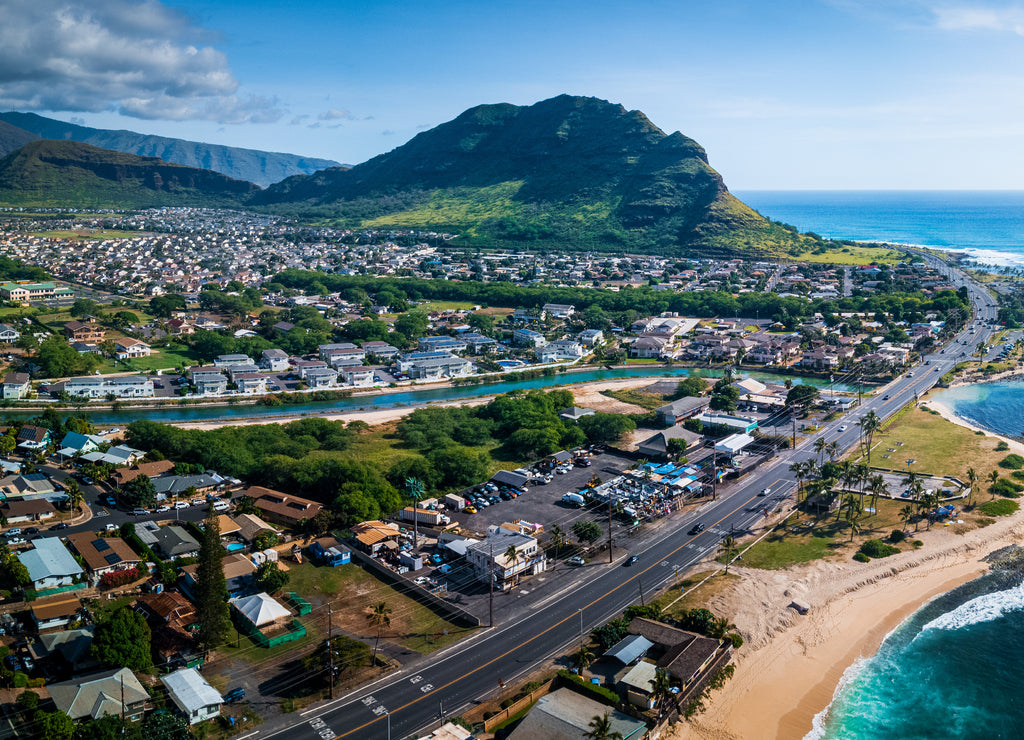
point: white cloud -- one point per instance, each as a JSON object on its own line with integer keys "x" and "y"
{"x": 977, "y": 18}
{"x": 337, "y": 114}
{"x": 135, "y": 56}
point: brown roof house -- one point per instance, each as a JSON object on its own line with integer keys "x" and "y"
{"x": 103, "y": 555}
{"x": 373, "y": 535}
{"x": 154, "y": 469}
{"x": 684, "y": 655}
{"x": 172, "y": 619}
{"x": 238, "y": 573}
{"x": 55, "y": 613}
{"x": 18, "y": 511}
{"x": 283, "y": 508}
{"x": 77, "y": 331}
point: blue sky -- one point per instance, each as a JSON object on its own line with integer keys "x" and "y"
{"x": 817, "y": 94}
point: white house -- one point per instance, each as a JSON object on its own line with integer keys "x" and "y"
{"x": 194, "y": 697}
{"x": 274, "y": 360}
{"x": 127, "y": 348}
{"x": 489, "y": 557}
{"x": 131, "y": 386}
{"x": 8, "y": 334}
{"x": 49, "y": 564}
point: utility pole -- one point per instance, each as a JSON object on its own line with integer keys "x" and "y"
{"x": 793, "y": 418}
{"x": 609, "y": 527}
{"x": 580, "y": 611}
{"x": 415, "y": 488}
{"x": 122, "y": 704}
{"x": 330, "y": 647}
{"x": 490, "y": 569}
{"x": 714, "y": 473}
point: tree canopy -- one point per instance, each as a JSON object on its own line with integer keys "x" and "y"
{"x": 123, "y": 639}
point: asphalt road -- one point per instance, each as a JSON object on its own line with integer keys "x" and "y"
{"x": 452, "y": 680}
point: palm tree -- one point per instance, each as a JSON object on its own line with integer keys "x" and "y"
{"x": 832, "y": 449}
{"x": 819, "y": 447}
{"x": 972, "y": 481}
{"x": 869, "y": 425}
{"x": 854, "y": 512}
{"x": 74, "y": 492}
{"x": 512, "y": 555}
{"x": 582, "y": 659}
{"x": 798, "y": 469}
{"x": 906, "y": 514}
{"x": 601, "y": 729}
{"x": 379, "y": 617}
{"x": 557, "y": 538}
{"x": 719, "y": 628}
{"x": 993, "y": 478}
{"x": 878, "y": 487}
{"x": 661, "y": 689}
{"x": 728, "y": 546}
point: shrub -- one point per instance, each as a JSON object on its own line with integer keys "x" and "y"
{"x": 1018, "y": 474}
{"x": 878, "y": 549}
{"x": 598, "y": 693}
{"x": 897, "y": 536}
{"x": 1002, "y": 446}
{"x": 118, "y": 578}
{"x": 861, "y": 557}
{"x": 735, "y": 639}
{"x": 1013, "y": 462}
{"x": 1006, "y": 488}
{"x": 999, "y": 507}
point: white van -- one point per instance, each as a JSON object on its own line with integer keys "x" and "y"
{"x": 221, "y": 505}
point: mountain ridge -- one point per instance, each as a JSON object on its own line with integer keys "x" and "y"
{"x": 252, "y": 165}
{"x": 570, "y": 171}
{"x": 45, "y": 172}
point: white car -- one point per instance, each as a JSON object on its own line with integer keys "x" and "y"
{"x": 765, "y": 492}
{"x": 221, "y": 505}
{"x": 181, "y": 504}
{"x": 843, "y": 428}
{"x": 162, "y": 509}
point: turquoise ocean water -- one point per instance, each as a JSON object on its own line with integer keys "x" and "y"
{"x": 952, "y": 670}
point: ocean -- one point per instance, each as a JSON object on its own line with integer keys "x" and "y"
{"x": 987, "y": 225}
{"x": 951, "y": 670}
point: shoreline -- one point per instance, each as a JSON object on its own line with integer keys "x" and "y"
{"x": 792, "y": 666}
{"x": 949, "y": 415}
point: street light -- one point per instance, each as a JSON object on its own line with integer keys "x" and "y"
{"x": 580, "y": 611}
{"x": 388, "y": 715}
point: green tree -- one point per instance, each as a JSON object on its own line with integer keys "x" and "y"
{"x": 348, "y": 654}
{"x": 211, "y": 587}
{"x": 661, "y": 690}
{"x": 379, "y": 618}
{"x": 164, "y": 306}
{"x": 123, "y": 639}
{"x": 270, "y": 578}
{"x": 162, "y": 725}
{"x": 412, "y": 324}
{"x": 600, "y": 728}
{"x": 801, "y": 396}
{"x": 602, "y": 428}
{"x": 586, "y": 531}
{"x": 693, "y": 385}
{"x": 83, "y": 307}
{"x": 583, "y": 658}
{"x": 139, "y": 492}
{"x": 869, "y": 426}
{"x": 54, "y": 725}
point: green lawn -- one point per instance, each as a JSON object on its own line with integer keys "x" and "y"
{"x": 787, "y": 547}
{"x": 88, "y": 234}
{"x": 238, "y": 646}
{"x": 649, "y": 401}
{"x": 853, "y": 256}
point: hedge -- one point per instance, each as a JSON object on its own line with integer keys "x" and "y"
{"x": 596, "y": 692}
{"x": 878, "y": 549}
{"x": 999, "y": 507}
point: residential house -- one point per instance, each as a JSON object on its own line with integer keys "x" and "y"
{"x": 562, "y": 349}
{"x": 261, "y": 611}
{"x": 380, "y": 350}
{"x": 528, "y": 338}
{"x": 151, "y": 470}
{"x": 196, "y": 699}
{"x": 575, "y": 413}
{"x": 56, "y": 612}
{"x": 172, "y": 622}
{"x": 25, "y": 511}
{"x": 49, "y": 564}
{"x": 373, "y": 536}
{"x": 233, "y": 359}
{"x": 179, "y": 485}
{"x": 15, "y": 385}
{"x": 67, "y": 650}
{"x": 657, "y": 446}
{"x": 685, "y": 655}
{"x": 30, "y": 486}
{"x": 682, "y": 409}
{"x": 175, "y": 542}
{"x": 647, "y": 347}
{"x": 304, "y": 366}
{"x": 250, "y": 382}
{"x": 115, "y": 692}
{"x": 341, "y": 352}
{"x": 130, "y": 386}
{"x": 76, "y": 444}
{"x": 33, "y": 438}
{"x": 323, "y": 377}
{"x": 274, "y": 360}
{"x": 78, "y": 331}
{"x": 8, "y": 334}
{"x": 591, "y": 337}
{"x": 478, "y": 343}
{"x": 283, "y": 508}
{"x": 238, "y": 574}
{"x": 117, "y": 455}
{"x": 441, "y": 344}
{"x": 559, "y": 310}
{"x": 103, "y": 555}
{"x": 180, "y": 327}
{"x": 127, "y": 348}
{"x": 567, "y": 715}
{"x": 820, "y": 358}
{"x": 356, "y": 375}
{"x": 208, "y": 381}
{"x": 439, "y": 367}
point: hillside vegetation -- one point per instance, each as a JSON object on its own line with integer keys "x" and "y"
{"x": 572, "y": 172}
{"x": 48, "y": 173}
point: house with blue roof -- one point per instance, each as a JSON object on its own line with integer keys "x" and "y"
{"x": 50, "y": 565}
{"x": 75, "y": 443}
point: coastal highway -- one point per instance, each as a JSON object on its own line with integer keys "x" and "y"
{"x": 450, "y": 681}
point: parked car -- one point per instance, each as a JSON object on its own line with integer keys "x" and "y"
{"x": 139, "y": 511}
{"x": 61, "y": 525}
{"x": 221, "y": 505}
{"x": 111, "y": 527}
{"x": 236, "y": 694}
{"x": 162, "y": 509}
{"x": 181, "y": 504}
{"x": 470, "y": 509}
{"x": 110, "y": 501}
{"x": 13, "y": 531}
{"x": 575, "y": 560}
{"x": 32, "y": 530}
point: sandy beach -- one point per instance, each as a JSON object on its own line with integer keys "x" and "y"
{"x": 948, "y": 415}
{"x": 587, "y": 395}
{"x": 791, "y": 665}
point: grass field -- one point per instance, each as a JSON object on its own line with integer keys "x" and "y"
{"x": 413, "y": 626}
{"x": 939, "y": 446}
{"x": 700, "y": 596}
{"x": 649, "y": 401}
{"x": 854, "y": 256}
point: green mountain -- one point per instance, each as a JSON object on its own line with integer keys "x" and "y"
{"x": 569, "y": 172}
{"x": 12, "y": 137}
{"x": 253, "y": 165}
{"x": 70, "y": 174}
